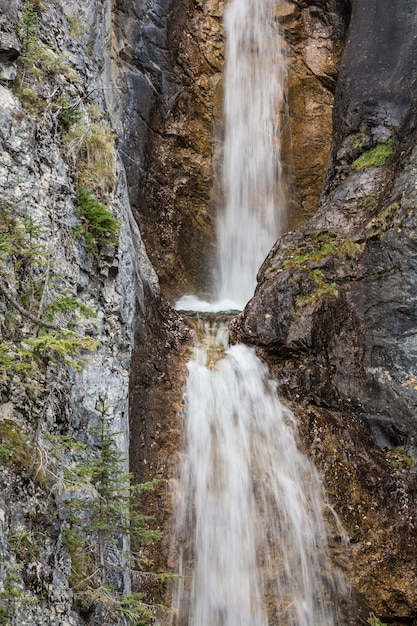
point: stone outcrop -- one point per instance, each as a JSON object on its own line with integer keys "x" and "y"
{"x": 171, "y": 77}
{"x": 334, "y": 310}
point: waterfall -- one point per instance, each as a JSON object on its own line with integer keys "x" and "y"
{"x": 254, "y": 202}
{"x": 250, "y": 542}
{"x": 250, "y": 531}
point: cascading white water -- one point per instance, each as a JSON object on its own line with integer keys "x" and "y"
{"x": 254, "y": 203}
{"x": 252, "y": 542}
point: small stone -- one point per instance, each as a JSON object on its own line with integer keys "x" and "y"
{"x": 285, "y": 10}
{"x": 7, "y": 72}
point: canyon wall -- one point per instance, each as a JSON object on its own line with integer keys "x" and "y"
{"x": 334, "y": 310}
{"x": 75, "y": 283}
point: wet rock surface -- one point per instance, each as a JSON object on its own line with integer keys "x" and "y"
{"x": 370, "y": 495}
{"x": 375, "y": 93}
{"x": 334, "y": 313}
{"x": 171, "y": 98}
{"x": 162, "y": 346}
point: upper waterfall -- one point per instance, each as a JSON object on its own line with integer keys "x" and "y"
{"x": 253, "y": 201}
{"x": 254, "y": 204}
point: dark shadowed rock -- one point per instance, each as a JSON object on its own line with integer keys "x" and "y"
{"x": 10, "y": 46}
{"x": 376, "y": 94}
{"x": 335, "y": 310}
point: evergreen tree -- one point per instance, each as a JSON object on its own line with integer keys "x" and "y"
{"x": 103, "y": 516}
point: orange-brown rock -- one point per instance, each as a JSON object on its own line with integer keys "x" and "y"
{"x": 315, "y": 38}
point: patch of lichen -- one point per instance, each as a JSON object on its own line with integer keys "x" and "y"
{"x": 399, "y": 459}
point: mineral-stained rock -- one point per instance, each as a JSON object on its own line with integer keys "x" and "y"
{"x": 314, "y": 32}
{"x": 171, "y": 97}
{"x": 156, "y": 393}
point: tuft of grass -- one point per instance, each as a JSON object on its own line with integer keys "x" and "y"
{"x": 314, "y": 255}
{"x": 349, "y": 249}
{"x": 385, "y": 219}
{"x": 373, "y": 620}
{"x": 327, "y": 289}
{"x": 375, "y": 157}
{"x": 26, "y": 544}
{"x": 91, "y": 146}
{"x": 44, "y": 60}
{"x": 99, "y": 226}
{"x": 77, "y": 26}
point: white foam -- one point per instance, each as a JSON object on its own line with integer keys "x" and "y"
{"x": 192, "y": 303}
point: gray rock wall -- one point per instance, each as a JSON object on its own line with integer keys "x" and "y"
{"x": 38, "y": 180}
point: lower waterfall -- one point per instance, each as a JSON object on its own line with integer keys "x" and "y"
{"x": 250, "y": 537}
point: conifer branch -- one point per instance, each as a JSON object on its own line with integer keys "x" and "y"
{"x": 6, "y": 293}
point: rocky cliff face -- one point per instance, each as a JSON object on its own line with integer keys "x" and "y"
{"x": 314, "y": 34}
{"x": 334, "y": 310}
{"x": 74, "y": 276}
{"x": 172, "y": 98}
